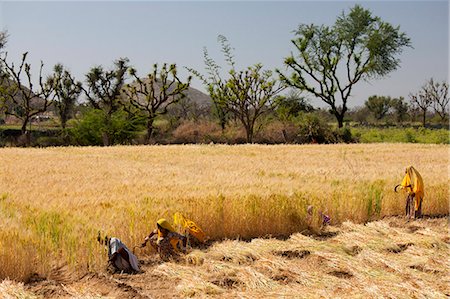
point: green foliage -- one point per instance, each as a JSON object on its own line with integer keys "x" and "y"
{"x": 104, "y": 86}
{"x": 214, "y": 83}
{"x": 378, "y": 105}
{"x": 18, "y": 96}
{"x": 66, "y": 93}
{"x": 401, "y": 109}
{"x": 251, "y": 94}
{"x": 246, "y": 94}
{"x": 152, "y": 96}
{"x": 332, "y": 59}
{"x": 93, "y": 127}
{"x": 291, "y": 105}
{"x": 313, "y": 129}
{"x": 345, "y": 135}
{"x": 407, "y": 135}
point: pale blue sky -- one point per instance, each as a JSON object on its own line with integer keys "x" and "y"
{"x": 83, "y": 34}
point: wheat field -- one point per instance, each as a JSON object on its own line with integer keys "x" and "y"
{"x": 53, "y": 201}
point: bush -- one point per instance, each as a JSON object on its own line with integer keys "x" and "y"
{"x": 345, "y": 135}
{"x": 278, "y": 132}
{"x": 94, "y": 127}
{"x": 49, "y": 141}
{"x": 198, "y": 132}
{"x": 313, "y": 129}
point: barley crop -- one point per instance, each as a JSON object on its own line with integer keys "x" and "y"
{"x": 53, "y": 201}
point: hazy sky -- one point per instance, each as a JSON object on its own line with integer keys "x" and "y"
{"x": 83, "y": 34}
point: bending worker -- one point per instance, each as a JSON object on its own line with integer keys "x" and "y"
{"x": 166, "y": 241}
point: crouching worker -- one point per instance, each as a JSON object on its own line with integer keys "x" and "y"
{"x": 120, "y": 258}
{"x": 166, "y": 241}
{"x": 413, "y": 184}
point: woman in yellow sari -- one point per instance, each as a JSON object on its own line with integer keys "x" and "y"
{"x": 413, "y": 184}
{"x": 166, "y": 241}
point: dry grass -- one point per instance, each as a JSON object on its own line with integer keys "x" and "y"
{"x": 13, "y": 290}
{"x": 54, "y": 200}
{"x": 390, "y": 258}
{"x": 384, "y": 259}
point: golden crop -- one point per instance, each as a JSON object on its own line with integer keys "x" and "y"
{"x": 53, "y": 201}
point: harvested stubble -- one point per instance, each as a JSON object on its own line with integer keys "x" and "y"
{"x": 236, "y": 269}
{"x": 54, "y": 200}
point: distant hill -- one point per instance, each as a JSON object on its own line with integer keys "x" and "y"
{"x": 192, "y": 94}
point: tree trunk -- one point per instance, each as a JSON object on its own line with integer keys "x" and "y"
{"x": 424, "y": 117}
{"x": 63, "y": 123}
{"x": 249, "y": 132}
{"x": 106, "y": 136}
{"x": 25, "y": 132}
{"x": 249, "y": 136}
{"x": 150, "y": 129}
{"x": 24, "y": 126}
{"x": 340, "y": 119}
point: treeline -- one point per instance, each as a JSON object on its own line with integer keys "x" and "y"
{"x": 120, "y": 106}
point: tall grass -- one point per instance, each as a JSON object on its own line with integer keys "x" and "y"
{"x": 53, "y": 201}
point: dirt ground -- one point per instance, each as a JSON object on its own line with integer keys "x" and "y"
{"x": 390, "y": 258}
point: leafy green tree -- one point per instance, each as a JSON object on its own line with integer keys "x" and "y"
{"x": 66, "y": 93}
{"x": 332, "y": 59}
{"x": 104, "y": 88}
{"x": 378, "y": 105}
{"x": 18, "y": 96}
{"x": 153, "y": 95}
{"x": 401, "y": 109}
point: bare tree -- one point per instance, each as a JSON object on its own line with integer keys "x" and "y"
{"x": 3, "y": 39}
{"x": 438, "y": 93}
{"x": 247, "y": 94}
{"x": 65, "y": 94}
{"x": 422, "y": 101}
{"x": 154, "y": 94}
{"x": 103, "y": 91}
{"x": 18, "y": 95}
{"x": 252, "y": 94}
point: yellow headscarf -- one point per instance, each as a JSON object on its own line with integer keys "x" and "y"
{"x": 165, "y": 224}
{"x": 413, "y": 183}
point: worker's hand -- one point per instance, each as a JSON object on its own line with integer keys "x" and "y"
{"x": 145, "y": 241}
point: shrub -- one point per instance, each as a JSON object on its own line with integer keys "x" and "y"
{"x": 93, "y": 127}
{"x": 345, "y": 135}
{"x": 198, "y": 132}
{"x": 313, "y": 129}
{"x": 278, "y": 132}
